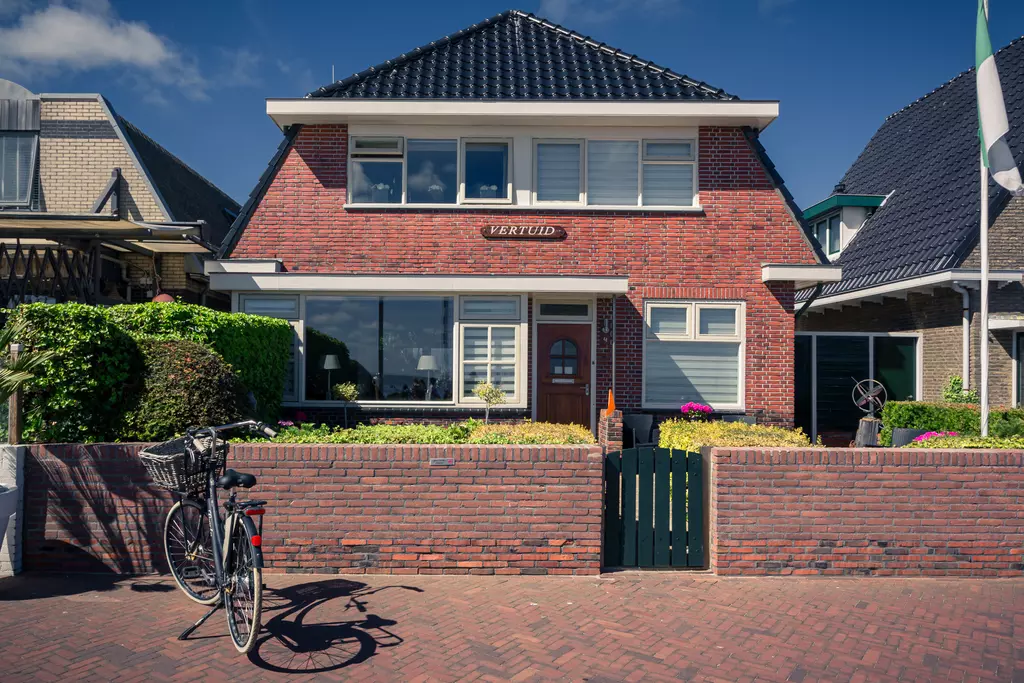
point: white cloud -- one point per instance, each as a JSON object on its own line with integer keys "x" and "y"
{"x": 602, "y": 11}
{"x": 241, "y": 67}
{"x": 90, "y": 35}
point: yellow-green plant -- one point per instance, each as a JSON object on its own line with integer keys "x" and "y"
{"x": 534, "y": 433}
{"x": 347, "y": 392}
{"x": 692, "y": 436}
{"x": 490, "y": 395}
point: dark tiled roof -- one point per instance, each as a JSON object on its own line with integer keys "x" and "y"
{"x": 517, "y": 56}
{"x": 926, "y": 156}
{"x": 188, "y": 195}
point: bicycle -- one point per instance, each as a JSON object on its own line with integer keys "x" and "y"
{"x": 215, "y": 559}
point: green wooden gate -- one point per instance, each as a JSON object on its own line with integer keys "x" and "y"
{"x": 654, "y": 508}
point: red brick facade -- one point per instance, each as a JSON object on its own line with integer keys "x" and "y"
{"x": 353, "y": 509}
{"x": 714, "y": 254}
{"x": 877, "y": 512}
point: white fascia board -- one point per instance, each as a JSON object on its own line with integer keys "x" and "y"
{"x": 757, "y": 114}
{"x": 243, "y": 265}
{"x": 801, "y": 275}
{"x": 1006, "y": 323}
{"x": 924, "y": 282}
{"x": 324, "y": 282}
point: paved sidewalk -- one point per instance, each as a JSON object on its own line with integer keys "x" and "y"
{"x": 653, "y": 626}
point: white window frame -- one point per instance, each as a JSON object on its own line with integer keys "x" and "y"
{"x": 690, "y": 161}
{"x": 487, "y": 317}
{"x": 32, "y": 163}
{"x": 371, "y": 156}
{"x": 693, "y": 335}
{"x": 509, "y": 189}
{"x": 517, "y": 362}
{"x": 589, "y": 303}
{"x": 827, "y": 222}
{"x": 582, "y": 143}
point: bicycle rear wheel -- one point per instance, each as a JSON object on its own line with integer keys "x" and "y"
{"x": 189, "y": 548}
{"x": 243, "y": 595}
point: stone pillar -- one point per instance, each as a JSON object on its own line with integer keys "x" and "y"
{"x": 12, "y": 505}
{"x": 609, "y": 430}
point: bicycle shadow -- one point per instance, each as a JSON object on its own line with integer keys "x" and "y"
{"x": 295, "y": 641}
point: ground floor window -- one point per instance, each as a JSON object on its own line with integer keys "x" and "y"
{"x": 401, "y": 348}
{"x": 827, "y": 366}
{"x": 693, "y": 351}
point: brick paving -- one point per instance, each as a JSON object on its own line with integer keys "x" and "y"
{"x": 619, "y": 627}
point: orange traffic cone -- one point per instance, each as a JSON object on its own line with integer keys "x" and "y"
{"x": 611, "y": 401}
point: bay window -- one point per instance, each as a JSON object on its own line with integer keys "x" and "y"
{"x": 693, "y": 351}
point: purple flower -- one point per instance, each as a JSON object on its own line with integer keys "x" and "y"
{"x": 932, "y": 435}
{"x": 694, "y": 407}
{"x": 285, "y": 423}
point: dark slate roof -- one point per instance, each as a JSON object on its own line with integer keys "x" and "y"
{"x": 926, "y": 156}
{"x": 518, "y": 56}
{"x": 188, "y": 195}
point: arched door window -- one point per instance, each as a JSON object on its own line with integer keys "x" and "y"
{"x": 564, "y": 358}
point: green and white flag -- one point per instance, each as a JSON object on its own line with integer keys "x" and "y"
{"x": 992, "y": 122}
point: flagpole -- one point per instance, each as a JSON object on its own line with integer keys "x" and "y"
{"x": 984, "y": 298}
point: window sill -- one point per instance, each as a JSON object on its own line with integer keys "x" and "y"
{"x": 515, "y": 208}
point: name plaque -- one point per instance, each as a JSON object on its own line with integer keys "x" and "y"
{"x": 523, "y": 232}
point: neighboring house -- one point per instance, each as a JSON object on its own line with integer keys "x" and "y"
{"x": 520, "y": 204}
{"x": 93, "y": 210}
{"x": 903, "y": 225}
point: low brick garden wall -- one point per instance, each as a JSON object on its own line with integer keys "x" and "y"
{"x": 374, "y": 509}
{"x": 880, "y": 512}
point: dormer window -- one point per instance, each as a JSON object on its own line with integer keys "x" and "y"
{"x": 18, "y": 152}
{"x": 829, "y": 234}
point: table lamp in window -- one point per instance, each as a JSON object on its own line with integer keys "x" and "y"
{"x": 429, "y": 363}
{"x": 330, "y": 362}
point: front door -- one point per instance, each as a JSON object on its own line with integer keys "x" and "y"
{"x": 563, "y": 373}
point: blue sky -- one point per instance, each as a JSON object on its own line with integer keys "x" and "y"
{"x": 194, "y": 75}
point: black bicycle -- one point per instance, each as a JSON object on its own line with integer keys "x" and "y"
{"x": 216, "y": 559}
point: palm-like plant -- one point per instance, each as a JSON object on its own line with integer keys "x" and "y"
{"x": 16, "y": 373}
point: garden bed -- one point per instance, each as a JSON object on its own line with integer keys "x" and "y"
{"x": 468, "y": 432}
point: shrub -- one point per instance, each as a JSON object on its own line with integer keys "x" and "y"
{"x": 257, "y": 347}
{"x": 959, "y": 442}
{"x": 538, "y": 433}
{"x": 82, "y": 392}
{"x": 184, "y": 384}
{"x": 954, "y": 392}
{"x": 470, "y": 431}
{"x": 964, "y": 419}
{"x": 490, "y": 395}
{"x": 692, "y": 436}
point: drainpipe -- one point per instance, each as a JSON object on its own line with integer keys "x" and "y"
{"x": 615, "y": 306}
{"x": 966, "y": 296}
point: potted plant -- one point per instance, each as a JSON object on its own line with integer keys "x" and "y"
{"x": 347, "y": 392}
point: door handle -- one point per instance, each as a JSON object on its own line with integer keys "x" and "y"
{"x": 586, "y": 390}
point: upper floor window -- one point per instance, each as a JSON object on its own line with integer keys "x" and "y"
{"x": 430, "y": 171}
{"x": 829, "y": 234}
{"x": 616, "y": 172}
{"x": 17, "y": 167}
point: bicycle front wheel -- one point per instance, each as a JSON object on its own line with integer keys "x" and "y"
{"x": 243, "y": 594}
{"x": 189, "y": 548}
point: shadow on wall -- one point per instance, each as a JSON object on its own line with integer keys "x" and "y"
{"x": 107, "y": 513}
{"x": 299, "y": 641}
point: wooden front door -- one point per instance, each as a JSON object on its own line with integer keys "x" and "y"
{"x": 563, "y": 373}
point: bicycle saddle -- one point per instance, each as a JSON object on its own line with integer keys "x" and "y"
{"x": 231, "y": 479}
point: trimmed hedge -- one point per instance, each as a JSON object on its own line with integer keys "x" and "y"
{"x": 962, "y": 418}
{"x": 471, "y": 431}
{"x": 86, "y": 391}
{"x": 959, "y": 442}
{"x": 692, "y": 436}
{"x": 186, "y": 384}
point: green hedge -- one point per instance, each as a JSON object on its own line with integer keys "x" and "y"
{"x": 960, "y": 442}
{"x": 692, "y": 436}
{"x": 185, "y": 383}
{"x": 962, "y": 418}
{"x": 95, "y": 378}
{"x": 471, "y": 431}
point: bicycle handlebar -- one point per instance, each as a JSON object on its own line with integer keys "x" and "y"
{"x": 251, "y": 424}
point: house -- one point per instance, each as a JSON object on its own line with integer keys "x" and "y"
{"x": 522, "y": 205}
{"x": 93, "y": 210}
{"x": 903, "y": 223}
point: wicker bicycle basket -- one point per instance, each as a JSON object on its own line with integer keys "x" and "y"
{"x": 181, "y": 464}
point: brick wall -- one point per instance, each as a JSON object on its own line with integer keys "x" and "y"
{"x": 867, "y": 512}
{"x": 374, "y": 509}
{"x": 716, "y": 254}
{"x": 78, "y": 148}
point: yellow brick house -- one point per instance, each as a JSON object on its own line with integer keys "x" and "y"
{"x": 94, "y": 210}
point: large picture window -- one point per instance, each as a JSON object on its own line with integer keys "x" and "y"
{"x": 392, "y": 348}
{"x": 693, "y": 351}
{"x": 286, "y": 308}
